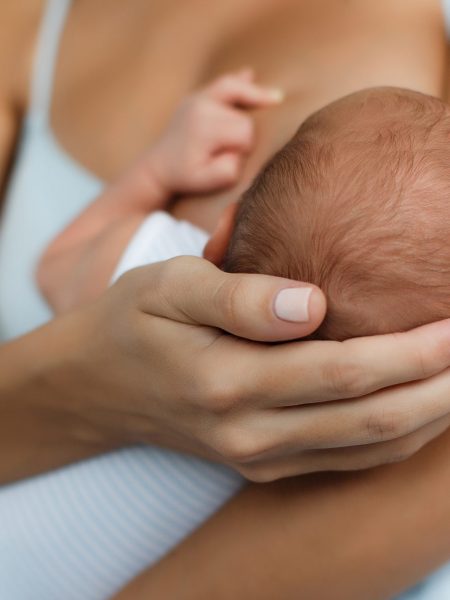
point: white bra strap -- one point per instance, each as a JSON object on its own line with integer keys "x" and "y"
{"x": 446, "y": 9}
{"x": 46, "y": 55}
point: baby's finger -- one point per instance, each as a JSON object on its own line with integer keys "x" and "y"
{"x": 238, "y": 92}
{"x": 247, "y": 74}
{"x": 223, "y": 170}
{"x": 234, "y": 131}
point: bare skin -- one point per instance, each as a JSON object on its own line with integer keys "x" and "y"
{"x": 238, "y": 34}
{"x": 410, "y": 53}
{"x": 203, "y": 150}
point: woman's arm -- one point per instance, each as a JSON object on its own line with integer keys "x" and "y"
{"x": 348, "y": 536}
{"x": 8, "y": 133}
{"x": 18, "y": 22}
{"x": 44, "y": 422}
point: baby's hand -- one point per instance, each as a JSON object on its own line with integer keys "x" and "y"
{"x": 206, "y": 143}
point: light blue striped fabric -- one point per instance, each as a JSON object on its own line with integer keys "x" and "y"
{"x": 81, "y": 532}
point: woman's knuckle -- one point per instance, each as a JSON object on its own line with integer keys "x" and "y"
{"x": 174, "y": 270}
{"x": 167, "y": 273}
{"x": 133, "y": 285}
{"x": 346, "y": 380}
{"x": 239, "y": 446}
{"x": 425, "y": 363}
{"x": 387, "y": 425}
{"x": 162, "y": 282}
{"x": 432, "y": 361}
{"x": 131, "y": 278}
{"x": 229, "y": 298}
{"x": 218, "y": 394}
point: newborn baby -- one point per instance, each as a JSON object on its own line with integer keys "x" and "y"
{"x": 358, "y": 203}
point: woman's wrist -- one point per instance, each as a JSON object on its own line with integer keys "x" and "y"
{"x": 45, "y": 419}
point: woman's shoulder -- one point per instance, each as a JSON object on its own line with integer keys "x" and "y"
{"x": 19, "y": 24}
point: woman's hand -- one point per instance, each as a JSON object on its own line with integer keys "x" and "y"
{"x": 150, "y": 362}
{"x": 159, "y": 369}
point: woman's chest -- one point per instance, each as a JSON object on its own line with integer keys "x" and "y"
{"x": 121, "y": 73}
{"x": 123, "y": 70}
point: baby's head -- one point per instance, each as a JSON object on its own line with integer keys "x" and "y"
{"x": 358, "y": 203}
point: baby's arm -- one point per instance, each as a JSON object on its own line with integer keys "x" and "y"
{"x": 202, "y": 150}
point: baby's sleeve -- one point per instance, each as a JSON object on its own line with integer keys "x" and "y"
{"x": 158, "y": 238}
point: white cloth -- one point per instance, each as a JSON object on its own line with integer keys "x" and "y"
{"x": 158, "y": 238}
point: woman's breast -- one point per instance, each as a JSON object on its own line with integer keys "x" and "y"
{"x": 325, "y": 49}
{"x": 46, "y": 191}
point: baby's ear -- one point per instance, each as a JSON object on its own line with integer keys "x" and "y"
{"x": 218, "y": 242}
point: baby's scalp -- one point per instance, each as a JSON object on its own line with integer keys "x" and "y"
{"x": 358, "y": 202}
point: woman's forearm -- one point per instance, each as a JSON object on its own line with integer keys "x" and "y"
{"x": 41, "y": 415}
{"x": 334, "y": 536}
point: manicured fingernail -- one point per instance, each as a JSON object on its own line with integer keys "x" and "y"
{"x": 292, "y": 304}
{"x": 276, "y": 94}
